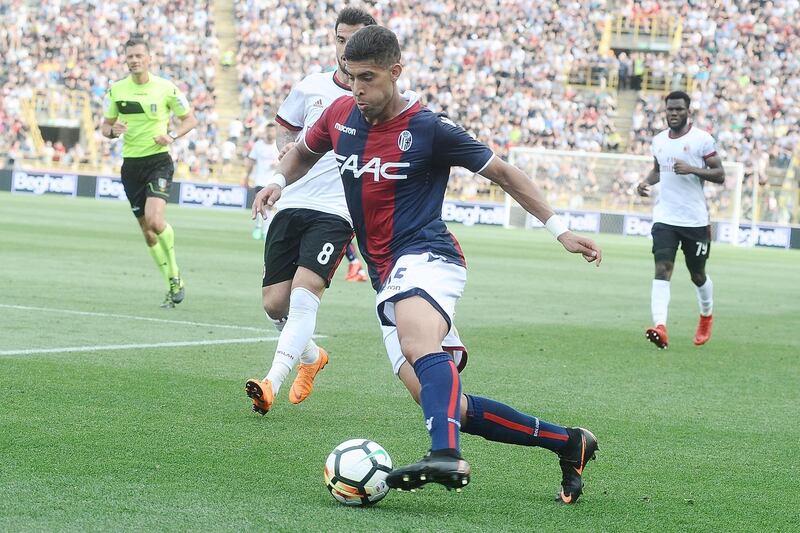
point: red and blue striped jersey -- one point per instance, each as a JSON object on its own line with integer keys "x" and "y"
{"x": 395, "y": 176}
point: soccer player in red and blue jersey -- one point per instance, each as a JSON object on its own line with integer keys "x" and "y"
{"x": 394, "y": 157}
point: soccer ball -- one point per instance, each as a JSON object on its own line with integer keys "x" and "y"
{"x": 355, "y": 472}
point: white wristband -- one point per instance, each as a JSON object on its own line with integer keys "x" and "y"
{"x": 556, "y": 226}
{"x": 277, "y": 179}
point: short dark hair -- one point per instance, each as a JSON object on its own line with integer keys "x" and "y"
{"x": 374, "y": 43}
{"x": 354, "y": 16}
{"x": 679, "y": 95}
{"x": 136, "y": 40}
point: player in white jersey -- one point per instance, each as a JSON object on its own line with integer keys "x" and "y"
{"x": 309, "y": 234}
{"x": 260, "y": 165}
{"x": 684, "y": 157}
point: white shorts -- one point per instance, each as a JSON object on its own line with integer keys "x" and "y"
{"x": 441, "y": 283}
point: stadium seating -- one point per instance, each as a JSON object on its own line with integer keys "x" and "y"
{"x": 57, "y": 47}
{"x": 514, "y": 73}
{"x": 488, "y": 73}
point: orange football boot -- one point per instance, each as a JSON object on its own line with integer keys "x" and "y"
{"x": 360, "y": 276}
{"x": 658, "y": 336}
{"x": 261, "y": 394}
{"x": 304, "y": 382}
{"x": 703, "y": 333}
{"x": 352, "y": 271}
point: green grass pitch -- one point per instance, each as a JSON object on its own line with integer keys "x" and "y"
{"x": 146, "y": 426}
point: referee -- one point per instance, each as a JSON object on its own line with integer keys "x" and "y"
{"x": 138, "y": 109}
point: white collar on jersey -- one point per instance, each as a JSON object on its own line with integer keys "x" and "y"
{"x": 411, "y": 97}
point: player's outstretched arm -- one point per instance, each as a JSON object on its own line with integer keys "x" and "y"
{"x": 285, "y": 150}
{"x": 293, "y": 166}
{"x": 516, "y": 183}
{"x": 285, "y": 137}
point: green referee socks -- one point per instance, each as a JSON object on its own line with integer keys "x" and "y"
{"x": 161, "y": 260}
{"x": 166, "y": 240}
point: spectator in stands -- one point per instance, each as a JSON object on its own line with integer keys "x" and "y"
{"x": 739, "y": 62}
{"x": 52, "y": 46}
{"x": 738, "y": 65}
{"x": 235, "y": 129}
{"x": 624, "y": 70}
{"x": 481, "y": 77}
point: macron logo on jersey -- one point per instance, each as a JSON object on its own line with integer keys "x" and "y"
{"x": 345, "y": 129}
{"x": 374, "y": 166}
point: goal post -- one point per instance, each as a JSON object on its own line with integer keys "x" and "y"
{"x": 605, "y": 183}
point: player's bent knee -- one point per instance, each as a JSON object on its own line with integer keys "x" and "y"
{"x": 664, "y": 269}
{"x": 413, "y": 348}
{"x": 275, "y": 310}
{"x": 275, "y": 299}
{"x": 150, "y": 237}
{"x": 309, "y": 280}
{"x": 157, "y": 225}
{"x": 698, "y": 278}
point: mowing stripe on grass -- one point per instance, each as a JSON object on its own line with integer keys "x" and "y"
{"x": 131, "y": 317}
{"x": 100, "y": 348}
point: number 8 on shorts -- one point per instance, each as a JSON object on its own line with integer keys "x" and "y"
{"x": 326, "y": 253}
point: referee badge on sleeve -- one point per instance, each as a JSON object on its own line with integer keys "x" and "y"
{"x": 162, "y": 184}
{"x": 153, "y": 108}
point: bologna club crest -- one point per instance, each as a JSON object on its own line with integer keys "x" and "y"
{"x": 404, "y": 140}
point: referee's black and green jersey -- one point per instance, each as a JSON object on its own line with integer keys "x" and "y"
{"x": 146, "y": 109}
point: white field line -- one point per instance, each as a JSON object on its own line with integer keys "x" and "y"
{"x": 107, "y": 347}
{"x": 132, "y": 317}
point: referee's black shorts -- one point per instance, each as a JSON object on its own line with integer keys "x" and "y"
{"x": 144, "y": 177}
{"x": 694, "y": 241}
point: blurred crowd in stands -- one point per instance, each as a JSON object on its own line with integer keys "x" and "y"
{"x": 494, "y": 67}
{"x": 497, "y": 67}
{"x": 744, "y": 60}
{"x": 79, "y": 45}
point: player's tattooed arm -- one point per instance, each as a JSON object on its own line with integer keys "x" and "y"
{"x": 293, "y": 166}
{"x": 285, "y": 137}
{"x": 297, "y": 162}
